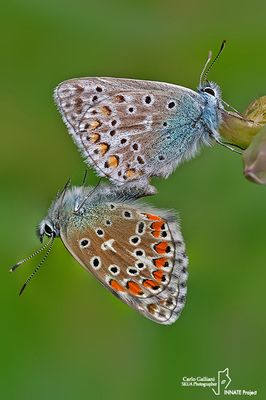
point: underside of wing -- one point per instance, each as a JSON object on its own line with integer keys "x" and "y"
{"x": 127, "y": 129}
{"x": 138, "y": 255}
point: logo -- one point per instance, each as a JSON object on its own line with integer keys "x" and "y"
{"x": 220, "y": 385}
{"x": 223, "y": 381}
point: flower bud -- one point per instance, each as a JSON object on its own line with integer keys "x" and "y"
{"x": 241, "y": 130}
{"x": 254, "y": 158}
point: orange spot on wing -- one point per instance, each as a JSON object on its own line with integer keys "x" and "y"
{"x": 158, "y": 275}
{"x": 134, "y": 288}
{"x": 157, "y": 226}
{"x": 153, "y": 217}
{"x": 160, "y": 262}
{"x": 116, "y": 286}
{"x": 94, "y": 138}
{"x": 104, "y": 147}
{"x": 150, "y": 284}
{"x": 95, "y": 124}
{"x": 112, "y": 162}
{"x": 130, "y": 173}
{"x": 105, "y": 111}
{"x": 162, "y": 247}
{"x": 156, "y": 234}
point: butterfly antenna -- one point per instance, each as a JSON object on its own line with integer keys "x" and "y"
{"x": 206, "y": 70}
{"x": 12, "y": 269}
{"x": 88, "y": 195}
{"x": 36, "y": 270}
{"x": 67, "y": 184}
{"x": 58, "y": 194}
{"x": 205, "y": 66}
{"x": 62, "y": 195}
{"x": 84, "y": 177}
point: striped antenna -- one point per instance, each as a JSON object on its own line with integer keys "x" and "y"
{"x": 12, "y": 269}
{"x": 40, "y": 264}
{"x": 62, "y": 195}
{"x": 206, "y": 70}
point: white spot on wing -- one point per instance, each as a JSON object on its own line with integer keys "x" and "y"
{"x": 108, "y": 245}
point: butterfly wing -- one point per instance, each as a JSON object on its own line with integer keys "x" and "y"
{"x": 127, "y": 129}
{"x": 137, "y": 254}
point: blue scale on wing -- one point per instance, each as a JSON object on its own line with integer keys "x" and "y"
{"x": 128, "y": 128}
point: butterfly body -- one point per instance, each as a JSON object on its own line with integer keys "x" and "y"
{"x": 136, "y": 252}
{"x": 132, "y": 130}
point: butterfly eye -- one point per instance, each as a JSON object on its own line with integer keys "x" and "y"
{"x": 209, "y": 90}
{"x": 48, "y": 230}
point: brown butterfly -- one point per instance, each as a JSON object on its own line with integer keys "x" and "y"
{"x": 135, "y": 251}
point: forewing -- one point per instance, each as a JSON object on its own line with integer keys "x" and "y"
{"x": 128, "y": 128}
{"x": 138, "y": 255}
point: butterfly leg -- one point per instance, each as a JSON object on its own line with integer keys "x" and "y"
{"x": 216, "y": 136}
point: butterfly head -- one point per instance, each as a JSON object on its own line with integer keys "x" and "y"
{"x": 210, "y": 88}
{"x": 50, "y": 225}
{"x": 211, "y": 91}
{"x": 62, "y": 205}
{"x": 48, "y": 228}
{"x": 70, "y": 204}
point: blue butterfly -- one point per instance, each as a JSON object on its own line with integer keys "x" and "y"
{"x": 130, "y": 130}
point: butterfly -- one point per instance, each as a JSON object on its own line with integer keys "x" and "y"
{"x": 130, "y": 130}
{"x": 135, "y": 251}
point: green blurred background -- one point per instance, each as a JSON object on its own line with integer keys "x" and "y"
{"x": 67, "y": 337}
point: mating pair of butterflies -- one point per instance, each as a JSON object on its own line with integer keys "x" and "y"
{"x": 128, "y": 131}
